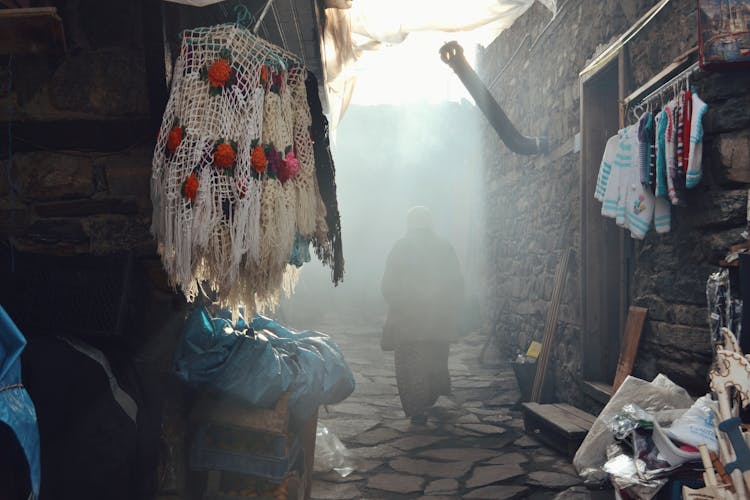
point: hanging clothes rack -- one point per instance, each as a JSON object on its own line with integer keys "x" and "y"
{"x": 683, "y": 75}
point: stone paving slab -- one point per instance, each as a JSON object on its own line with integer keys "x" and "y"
{"x": 459, "y": 454}
{"x": 478, "y": 410}
{"x": 364, "y": 466}
{"x": 379, "y": 451}
{"x": 488, "y": 474}
{"x": 500, "y": 444}
{"x": 468, "y": 418}
{"x": 497, "y": 492}
{"x": 433, "y": 497}
{"x": 526, "y": 442}
{"x": 485, "y": 429}
{"x": 428, "y": 468}
{"x": 502, "y": 399}
{"x": 323, "y": 490}
{"x": 496, "y": 419}
{"x": 396, "y": 483}
{"x": 362, "y": 409}
{"x": 508, "y": 458}
{"x": 441, "y": 487}
{"x": 414, "y": 442}
{"x": 554, "y": 480}
{"x": 377, "y": 435}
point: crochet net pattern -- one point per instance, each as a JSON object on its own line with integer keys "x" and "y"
{"x": 218, "y": 219}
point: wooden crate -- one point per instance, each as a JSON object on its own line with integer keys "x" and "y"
{"x": 227, "y": 486}
{"x": 215, "y": 410}
{"x": 235, "y": 413}
{"x": 560, "y": 426}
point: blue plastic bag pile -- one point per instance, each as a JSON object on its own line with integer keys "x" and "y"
{"x": 259, "y": 362}
{"x": 16, "y": 408}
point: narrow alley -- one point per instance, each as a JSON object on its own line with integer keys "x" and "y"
{"x": 193, "y": 192}
{"x": 473, "y": 448}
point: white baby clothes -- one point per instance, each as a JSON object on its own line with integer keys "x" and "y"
{"x": 662, "y": 215}
{"x": 605, "y": 168}
{"x": 640, "y": 208}
{"x": 694, "y": 167}
{"x": 623, "y": 166}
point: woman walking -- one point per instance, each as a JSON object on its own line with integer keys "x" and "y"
{"x": 424, "y": 290}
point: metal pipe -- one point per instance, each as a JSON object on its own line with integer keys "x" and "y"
{"x": 452, "y": 54}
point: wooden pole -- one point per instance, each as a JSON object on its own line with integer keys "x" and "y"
{"x": 550, "y": 326}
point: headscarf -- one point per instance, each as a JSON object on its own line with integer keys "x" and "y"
{"x": 418, "y": 218}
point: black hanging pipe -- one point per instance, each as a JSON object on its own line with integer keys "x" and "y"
{"x": 452, "y": 54}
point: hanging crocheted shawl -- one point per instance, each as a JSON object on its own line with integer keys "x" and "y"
{"x": 233, "y": 183}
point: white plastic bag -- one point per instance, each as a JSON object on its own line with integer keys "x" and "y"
{"x": 695, "y": 427}
{"x": 330, "y": 453}
{"x": 660, "y": 394}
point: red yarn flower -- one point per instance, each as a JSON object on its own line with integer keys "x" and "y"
{"x": 219, "y": 73}
{"x": 190, "y": 187}
{"x": 258, "y": 160}
{"x": 174, "y": 139}
{"x": 224, "y": 155}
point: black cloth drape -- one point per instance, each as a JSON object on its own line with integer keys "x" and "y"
{"x": 329, "y": 251}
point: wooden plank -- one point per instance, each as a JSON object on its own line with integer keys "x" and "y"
{"x": 236, "y": 413}
{"x": 550, "y": 326}
{"x": 559, "y": 418}
{"x": 544, "y": 423}
{"x": 588, "y": 418}
{"x": 633, "y": 329}
{"x": 610, "y": 52}
{"x": 599, "y": 391}
{"x": 31, "y": 30}
{"x": 679, "y": 63}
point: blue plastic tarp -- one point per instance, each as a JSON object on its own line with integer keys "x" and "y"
{"x": 16, "y": 408}
{"x": 261, "y": 361}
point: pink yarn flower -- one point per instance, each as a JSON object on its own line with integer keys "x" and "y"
{"x": 289, "y": 167}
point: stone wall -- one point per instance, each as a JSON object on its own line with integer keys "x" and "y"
{"x": 533, "y": 203}
{"x": 81, "y": 145}
{"x": 74, "y": 186}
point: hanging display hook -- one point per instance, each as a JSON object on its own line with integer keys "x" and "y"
{"x": 243, "y": 15}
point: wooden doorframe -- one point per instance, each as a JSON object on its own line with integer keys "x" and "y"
{"x": 605, "y": 248}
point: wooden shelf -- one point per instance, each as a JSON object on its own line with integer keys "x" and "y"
{"x": 31, "y": 31}
{"x": 599, "y": 391}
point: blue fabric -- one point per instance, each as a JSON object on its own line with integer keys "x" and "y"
{"x": 301, "y": 251}
{"x": 16, "y": 408}
{"x": 320, "y": 355}
{"x": 661, "y": 156}
{"x": 258, "y": 364}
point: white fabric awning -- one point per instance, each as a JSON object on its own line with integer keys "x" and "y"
{"x": 371, "y": 25}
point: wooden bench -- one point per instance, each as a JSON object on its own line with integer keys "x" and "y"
{"x": 560, "y": 426}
